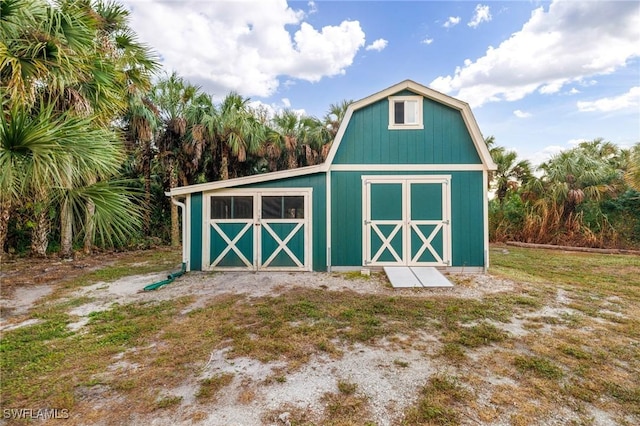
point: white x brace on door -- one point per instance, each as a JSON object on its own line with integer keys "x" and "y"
{"x": 407, "y": 220}
{"x": 268, "y": 229}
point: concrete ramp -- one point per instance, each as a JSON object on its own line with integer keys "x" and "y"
{"x": 416, "y": 277}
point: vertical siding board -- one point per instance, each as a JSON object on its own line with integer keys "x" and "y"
{"x": 467, "y": 219}
{"x": 444, "y": 140}
{"x": 195, "y": 249}
{"x": 346, "y": 221}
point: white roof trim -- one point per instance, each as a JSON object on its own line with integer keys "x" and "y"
{"x": 246, "y": 180}
{"x": 406, "y": 167}
{"x": 425, "y": 91}
{"x": 463, "y": 107}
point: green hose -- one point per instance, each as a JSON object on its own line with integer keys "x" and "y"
{"x": 170, "y": 278}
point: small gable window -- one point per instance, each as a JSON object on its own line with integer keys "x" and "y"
{"x": 405, "y": 112}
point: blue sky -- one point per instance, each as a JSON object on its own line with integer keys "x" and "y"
{"x": 540, "y": 76}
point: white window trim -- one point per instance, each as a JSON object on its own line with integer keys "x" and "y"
{"x": 256, "y": 193}
{"x": 393, "y": 125}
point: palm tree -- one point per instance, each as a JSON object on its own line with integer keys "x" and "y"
{"x": 289, "y": 129}
{"x": 632, "y": 174}
{"x": 573, "y": 176}
{"x": 41, "y": 152}
{"x": 141, "y": 122}
{"x": 174, "y": 97}
{"x": 55, "y": 60}
{"x": 333, "y": 118}
{"x": 239, "y": 132}
{"x": 510, "y": 173}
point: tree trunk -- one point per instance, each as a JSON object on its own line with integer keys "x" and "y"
{"x": 66, "y": 231}
{"x": 40, "y": 235}
{"x": 146, "y": 172}
{"x": 175, "y": 226}
{"x": 292, "y": 160}
{"x": 90, "y": 210}
{"x": 89, "y": 228}
{"x": 5, "y": 214}
{"x": 224, "y": 164}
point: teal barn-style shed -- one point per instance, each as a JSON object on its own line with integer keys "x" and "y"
{"x": 404, "y": 184}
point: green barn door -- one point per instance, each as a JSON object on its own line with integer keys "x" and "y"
{"x": 231, "y": 232}
{"x": 283, "y": 229}
{"x": 259, "y": 230}
{"x": 384, "y": 223}
{"x": 406, "y": 221}
{"x": 428, "y": 223}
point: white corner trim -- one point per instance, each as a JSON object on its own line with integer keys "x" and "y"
{"x": 485, "y": 213}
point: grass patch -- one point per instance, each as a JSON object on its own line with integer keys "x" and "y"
{"x": 345, "y": 407}
{"x": 437, "y": 402}
{"x": 541, "y": 367}
{"x": 347, "y": 388}
{"x": 210, "y": 387}
{"x": 42, "y": 364}
{"x": 355, "y": 275}
{"x": 400, "y": 363}
{"x": 478, "y": 335}
{"x": 168, "y": 401}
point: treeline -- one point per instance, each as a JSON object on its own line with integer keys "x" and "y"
{"x": 92, "y": 134}
{"x": 586, "y": 196}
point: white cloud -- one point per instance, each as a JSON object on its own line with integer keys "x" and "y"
{"x": 427, "y": 41}
{"x": 545, "y": 154}
{"x": 570, "y": 42}
{"x": 244, "y": 46}
{"x": 378, "y": 45}
{"x": 574, "y": 91}
{"x": 268, "y": 111}
{"x": 481, "y": 14}
{"x": 451, "y": 22}
{"x": 521, "y": 114}
{"x": 630, "y": 99}
{"x": 313, "y": 8}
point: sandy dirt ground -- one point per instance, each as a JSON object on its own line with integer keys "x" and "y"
{"x": 379, "y": 371}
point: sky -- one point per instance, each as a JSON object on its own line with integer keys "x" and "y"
{"x": 540, "y": 76}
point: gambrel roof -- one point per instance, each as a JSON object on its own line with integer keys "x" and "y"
{"x": 463, "y": 107}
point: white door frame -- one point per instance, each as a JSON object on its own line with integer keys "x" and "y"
{"x": 255, "y": 226}
{"x": 406, "y": 224}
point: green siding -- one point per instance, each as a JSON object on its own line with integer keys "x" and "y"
{"x": 318, "y": 207}
{"x": 244, "y": 244}
{"x": 195, "y": 252}
{"x": 467, "y": 222}
{"x": 270, "y": 245}
{"x": 444, "y": 139}
{"x": 386, "y": 201}
{"x": 346, "y": 219}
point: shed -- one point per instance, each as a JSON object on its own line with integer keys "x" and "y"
{"x": 404, "y": 184}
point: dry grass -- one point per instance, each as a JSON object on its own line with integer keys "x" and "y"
{"x": 577, "y": 353}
